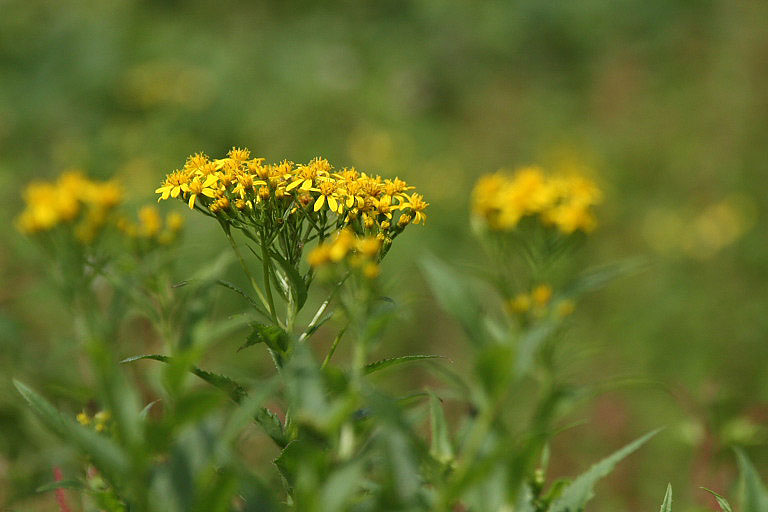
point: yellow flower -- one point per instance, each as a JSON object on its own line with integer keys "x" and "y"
{"x": 384, "y": 206}
{"x": 196, "y": 163}
{"x": 197, "y": 187}
{"x": 246, "y": 184}
{"x": 72, "y": 196}
{"x": 395, "y": 189}
{"x": 417, "y": 205}
{"x": 354, "y": 192}
{"x": 150, "y": 222}
{"x": 173, "y": 185}
{"x": 501, "y": 201}
{"x": 565, "y": 308}
{"x": 371, "y": 270}
{"x": 520, "y": 303}
{"x": 327, "y": 190}
{"x": 542, "y": 294}
{"x": 83, "y": 418}
{"x": 307, "y": 174}
{"x": 175, "y": 222}
{"x": 239, "y": 155}
{"x": 340, "y": 247}
{"x": 320, "y": 255}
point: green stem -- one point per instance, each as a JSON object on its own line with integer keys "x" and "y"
{"x": 248, "y": 274}
{"x": 266, "y": 264}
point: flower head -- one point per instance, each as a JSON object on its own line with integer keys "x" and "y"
{"x": 501, "y": 201}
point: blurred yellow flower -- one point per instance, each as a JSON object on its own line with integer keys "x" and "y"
{"x": 71, "y": 197}
{"x": 501, "y": 200}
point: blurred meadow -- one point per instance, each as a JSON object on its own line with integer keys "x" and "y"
{"x": 663, "y": 102}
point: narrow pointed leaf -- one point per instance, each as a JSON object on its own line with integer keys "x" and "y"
{"x": 394, "y": 361}
{"x": 755, "y": 497}
{"x": 576, "y": 495}
{"x": 255, "y": 305}
{"x": 722, "y": 502}
{"x": 266, "y": 418}
{"x": 298, "y": 285}
{"x": 666, "y": 505}
{"x": 61, "y": 484}
{"x": 235, "y": 391}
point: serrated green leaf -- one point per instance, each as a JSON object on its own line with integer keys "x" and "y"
{"x": 394, "y": 361}
{"x": 666, "y": 505}
{"x": 266, "y": 418}
{"x": 106, "y": 455}
{"x": 235, "y": 391}
{"x": 61, "y": 484}
{"x": 271, "y": 335}
{"x": 722, "y": 502}
{"x": 755, "y": 497}
{"x": 440, "y": 447}
{"x": 255, "y": 305}
{"x": 576, "y": 495}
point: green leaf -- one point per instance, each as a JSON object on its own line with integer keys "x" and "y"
{"x": 106, "y": 455}
{"x": 394, "y": 361}
{"x": 266, "y": 418}
{"x": 453, "y": 293}
{"x": 755, "y": 497}
{"x": 600, "y": 276}
{"x": 61, "y": 484}
{"x": 145, "y": 411}
{"x": 440, "y": 447}
{"x": 529, "y": 345}
{"x": 315, "y": 326}
{"x": 666, "y": 505}
{"x": 271, "y": 335}
{"x": 235, "y": 391}
{"x": 297, "y": 283}
{"x": 576, "y": 495}
{"x": 340, "y": 486}
{"x": 724, "y": 505}
{"x": 255, "y": 305}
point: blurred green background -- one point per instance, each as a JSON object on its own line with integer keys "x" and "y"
{"x": 666, "y": 100}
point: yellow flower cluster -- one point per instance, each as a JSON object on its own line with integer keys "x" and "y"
{"x": 566, "y": 202}
{"x": 99, "y": 421}
{"x": 358, "y": 252}
{"x": 152, "y": 227}
{"x": 71, "y": 198}
{"x": 239, "y": 188}
{"x": 537, "y": 301}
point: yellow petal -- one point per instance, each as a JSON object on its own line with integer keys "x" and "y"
{"x": 307, "y": 185}
{"x": 210, "y": 180}
{"x": 333, "y": 204}
{"x": 209, "y": 192}
{"x": 192, "y": 201}
{"x": 319, "y": 203}
{"x": 175, "y": 191}
{"x": 293, "y": 185}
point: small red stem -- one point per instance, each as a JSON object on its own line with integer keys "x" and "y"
{"x": 61, "y": 496}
